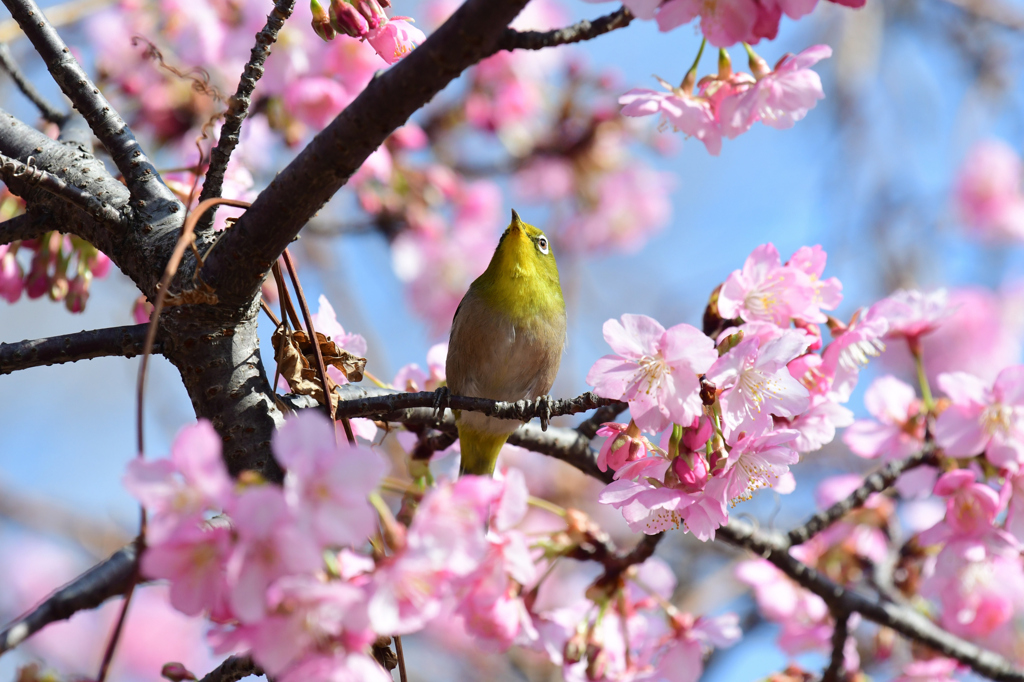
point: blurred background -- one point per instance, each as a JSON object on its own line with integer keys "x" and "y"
{"x": 921, "y": 122}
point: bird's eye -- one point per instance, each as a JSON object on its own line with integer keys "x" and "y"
{"x": 542, "y": 244}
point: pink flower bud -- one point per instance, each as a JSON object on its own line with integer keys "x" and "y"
{"x": 78, "y": 292}
{"x": 575, "y": 648}
{"x": 100, "y": 265}
{"x": 692, "y": 470}
{"x": 395, "y": 39}
{"x": 345, "y": 19}
{"x": 59, "y": 287}
{"x": 597, "y": 662}
{"x": 141, "y": 310}
{"x": 372, "y": 11}
{"x": 11, "y": 278}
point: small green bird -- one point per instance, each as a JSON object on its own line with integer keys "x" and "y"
{"x": 507, "y": 339}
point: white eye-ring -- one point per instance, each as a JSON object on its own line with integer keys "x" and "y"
{"x": 542, "y": 245}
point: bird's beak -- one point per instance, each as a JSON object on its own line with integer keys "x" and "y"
{"x": 517, "y": 222}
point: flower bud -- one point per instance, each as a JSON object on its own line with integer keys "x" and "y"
{"x": 345, "y": 19}
{"x": 597, "y": 662}
{"x": 372, "y": 12}
{"x": 692, "y": 470}
{"x": 708, "y": 391}
{"x": 176, "y": 672}
{"x": 11, "y": 277}
{"x": 758, "y": 66}
{"x": 724, "y": 65}
{"x": 78, "y": 292}
{"x": 575, "y": 648}
{"x": 59, "y": 287}
{"x": 322, "y": 21}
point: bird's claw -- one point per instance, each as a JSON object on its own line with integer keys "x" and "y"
{"x": 544, "y": 408}
{"x": 441, "y": 396}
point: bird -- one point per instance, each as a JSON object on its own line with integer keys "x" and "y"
{"x": 507, "y": 339}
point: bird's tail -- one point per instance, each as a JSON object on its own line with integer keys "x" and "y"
{"x": 479, "y": 450}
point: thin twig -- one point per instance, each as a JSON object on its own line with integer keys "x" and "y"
{"x": 98, "y": 343}
{"x": 238, "y": 108}
{"x": 836, "y": 671}
{"x": 12, "y": 169}
{"x": 139, "y": 173}
{"x": 606, "y": 413}
{"x": 578, "y": 32}
{"x": 402, "y": 675}
{"x": 269, "y": 312}
{"x": 321, "y": 368}
{"x": 47, "y": 110}
{"x": 233, "y": 669}
{"x": 115, "y": 635}
{"x": 874, "y": 483}
{"x": 285, "y": 297}
{"x": 101, "y": 582}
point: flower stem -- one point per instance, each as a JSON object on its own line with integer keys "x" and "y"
{"x": 691, "y": 76}
{"x": 546, "y": 506}
{"x": 922, "y": 378}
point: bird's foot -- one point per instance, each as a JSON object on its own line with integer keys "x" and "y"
{"x": 544, "y": 411}
{"x": 441, "y": 396}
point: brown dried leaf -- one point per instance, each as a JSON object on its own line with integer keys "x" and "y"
{"x": 349, "y": 364}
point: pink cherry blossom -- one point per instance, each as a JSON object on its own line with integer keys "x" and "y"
{"x": 983, "y": 419}
{"x": 778, "y": 99}
{"x": 855, "y": 345}
{"x": 723, "y": 23}
{"x": 327, "y": 484}
{"x": 766, "y": 291}
{"x": 326, "y": 322}
{"x": 270, "y": 545}
{"x": 755, "y": 461}
{"x": 691, "y": 115}
{"x": 655, "y": 370}
{"x": 11, "y": 275}
{"x": 624, "y": 444}
{"x": 932, "y": 670}
{"x": 395, "y": 39}
{"x": 910, "y": 314}
{"x": 316, "y": 100}
{"x": 193, "y": 560}
{"x": 828, "y": 293}
{"x": 756, "y": 384}
{"x": 988, "y": 191}
{"x": 898, "y": 427}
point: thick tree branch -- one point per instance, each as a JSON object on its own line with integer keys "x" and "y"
{"x": 874, "y": 483}
{"x": 47, "y": 110}
{"x": 836, "y": 671}
{"x": 11, "y": 169}
{"x": 234, "y": 669}
{"x": 236, "y": 268}
{"x": 146, "y": 187}
{"x": 905, "y": 621}
{"x": 101, "y": 582}
{"x": 99, "y": 343}
{"x": 578, "y": 32}
{"x": 24, "y": 226}
{"x": 238, "y": 108}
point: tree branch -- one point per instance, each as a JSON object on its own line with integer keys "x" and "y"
{"x": 836, "y": 670}
{"x": 238, "y": 108}
{"x": 107, "y": 579}
{"x": 32, "y": 176}
{"x": 236, "y": 268}
{"x": 24, "y": 226}
{"x": 874, "y": 483}
{"x": 140, "y": 176}
{"x": 47, "y": 110}
{"x": 907, "y": 622}
{"x": 98, "y": 343}
{"x": 234, "y": 669}
{"x": 578, "y": 32}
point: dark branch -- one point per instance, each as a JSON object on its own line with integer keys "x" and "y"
{"x": 236, "y": 268}
{"x": 578, "y": 32}
{"x": 24, "y": 226}
{"x": 606, "y": 413}
{"x": 836, "y": 670}
{"x": 876, "y": 482}
{"x": 234, "y": 669}
{"x": 905, "y": 621}
{"x": 100, "y": 210}
{"x": 524, "y": 410}
{"x": 140, "y": 176}
{"x": 47, "y": 110}
{"x": 238, "y": 108}
{"x": 101, "y": 582}
{"x": 98, "y": 343}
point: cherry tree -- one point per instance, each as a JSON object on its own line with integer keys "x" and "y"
{"x": 311, "y": 517}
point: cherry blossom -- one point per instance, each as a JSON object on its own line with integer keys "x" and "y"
{"x": 395, "y": 39}
{"x": 988, "y": 191}
{"x": 684, "y": 112}
{"x": 910, "y": 314}
{"x": 327, "y": 484}
{"x": 982, "y": 419}
{"x": 766, "y": 291}
{"x": 898, "y": 427}
{"x": 653, "y": 369}
{"x": 756, "y": 384}
{"x": 780, "y": 98}
{"x": 755, "y": 461}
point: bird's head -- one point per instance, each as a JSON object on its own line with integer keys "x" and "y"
{"x": 524, "y": 251}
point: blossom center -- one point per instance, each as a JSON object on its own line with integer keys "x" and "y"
{"x": 758, "y": 386}
{"x": 997, "y": 418}
{"x": 654, "y": 368}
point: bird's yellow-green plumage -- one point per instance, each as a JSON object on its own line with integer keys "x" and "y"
{"x": 507, "y": 339}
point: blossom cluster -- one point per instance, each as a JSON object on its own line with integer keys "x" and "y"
{"x": 988, "y": 194}
{"x": 307, "y": 575}
{"x": 391, "y": 37}
{"x": 728, "y": 104}
{"x": 59, "y": 266}
{"x": 737, "y": 409}
{"x": 726, "y": 22}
